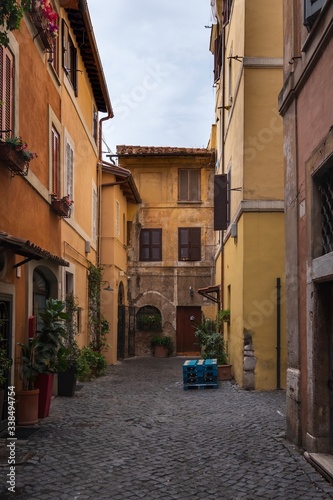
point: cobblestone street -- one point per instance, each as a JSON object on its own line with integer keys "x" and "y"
{"x": 136, "y": 433}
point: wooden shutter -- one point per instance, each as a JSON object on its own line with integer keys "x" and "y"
{"x": 69, "y": 171}
{"x": 189, "y": 243}
{"x": 189, "y": 184}
{"x": 55, "y": 163}
{"x": 217, "y": 57}
{"x": 151, "y": 245}
{"x": 195, "y": 243}
{"x": 220, "y": 202}
{"x": 6, "y": 92}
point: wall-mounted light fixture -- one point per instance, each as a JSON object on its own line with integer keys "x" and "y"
{"x": 107, "y": 287}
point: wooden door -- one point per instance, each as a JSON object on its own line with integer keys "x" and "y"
{"x": 187, "y": 319}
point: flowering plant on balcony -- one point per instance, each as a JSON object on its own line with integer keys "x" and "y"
{"x": 65, "y": 199}
{"x": 19, "y": 145}
{"x": 48, "y": 16}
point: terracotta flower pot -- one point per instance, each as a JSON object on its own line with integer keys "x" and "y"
{"x": 160, "y": 351}
{"x": 27, "y": 413}
{"x": 224, "y": 372}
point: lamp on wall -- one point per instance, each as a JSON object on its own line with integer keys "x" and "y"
{"x": 107, "y": 287}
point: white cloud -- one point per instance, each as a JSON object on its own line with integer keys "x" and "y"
{"x": 159, "y": 71}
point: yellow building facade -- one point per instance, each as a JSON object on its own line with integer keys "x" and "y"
{"x": 246, "y": 41}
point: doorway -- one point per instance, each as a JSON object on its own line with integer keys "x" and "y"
{"x": 187, "y": 319}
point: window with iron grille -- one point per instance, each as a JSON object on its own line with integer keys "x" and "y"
{"x": 311, "y": 10}
{"x": 189, "y": 243}
{"x": 151, "y": 245}
{"x": 69, "y": 60}
{"x": 55, "y": 140}
{"x": 325, "y": 188}
{"x": 188, "y": 184}
{"x": 6, "y": 92}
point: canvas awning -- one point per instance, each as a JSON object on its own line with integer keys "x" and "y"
{"x": 26, "y": 248}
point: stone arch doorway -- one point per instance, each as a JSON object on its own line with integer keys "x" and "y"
{"x": 121, "y": 323}
{"x": 45, "y": 285}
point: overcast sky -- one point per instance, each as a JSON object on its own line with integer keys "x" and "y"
{"x": 158, "y": 69}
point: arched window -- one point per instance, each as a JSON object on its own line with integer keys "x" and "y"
{"x": 149, "y": 318}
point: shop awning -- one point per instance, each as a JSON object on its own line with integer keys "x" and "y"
{"x": 211, "y": 292}
{"x": 26, "y": 248}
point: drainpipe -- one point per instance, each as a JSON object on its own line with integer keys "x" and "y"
{"x": 278, "y": 333}
{"x": 223, "y": 159}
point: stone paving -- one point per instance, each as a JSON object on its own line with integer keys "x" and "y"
{"x": 136, "y": 433}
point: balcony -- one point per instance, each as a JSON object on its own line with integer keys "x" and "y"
{"x": 61, "y": 206}
{"x": 44, "y": 18}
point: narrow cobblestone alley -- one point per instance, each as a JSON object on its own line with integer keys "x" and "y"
{"x": 136, "y": 433}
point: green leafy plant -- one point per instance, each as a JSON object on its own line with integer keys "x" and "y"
{"x": 11, "y": 13}
{"x": 91, "y": 364}
{"x": 212, "y": 344}
{"x": 99, "y": 326}
{"x": 50, "y": 338}
{"x": 19, "y": 145}
{"x": 162, "y": 340}
{"x": 29, "y": 366}
{"x": 5, "y": 363}
{"x": 151, "y": 322}
{"x": 69, "y": 351}
{"x": 224, "y": 315}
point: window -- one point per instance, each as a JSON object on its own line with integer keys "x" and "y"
{"x": 217, "y": 57}
{"x": 117, "y": 219}
{"x": 69, "y": 61}
{"x": 188, "y": 184}
{"x": 311, "y": 11}
{"x": 69, "y": 179}
{"x": 324, "y": 183}
{"x": 221, "y": 202}
{"x": 54, "y": 54}
{"x": 149, "y": 318}
{"x": 55, "y": 162}
{"x": 6, "y": 92}
{"x": 95, "y": 124}
{"x": 94, "y": 214}
{"x": 151, "y": 244}
{"x": 189, "y": 243}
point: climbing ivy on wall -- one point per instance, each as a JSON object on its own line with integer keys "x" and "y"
{"x": 99, "y": 326}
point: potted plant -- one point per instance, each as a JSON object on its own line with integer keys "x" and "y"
{"x": 62, "y": 206}
{"x": 15, "y": 154}
{"x": 49, "y": 341}
{"x": 213, "y": 346}
{"x": 162, "y": 345}
{"x": 224, "y": 315}
{"x": 5, "y": 365}
{"x": 29, "y": 396}
{"x": 11, "y": 13}
{"x": 69, "y": 352}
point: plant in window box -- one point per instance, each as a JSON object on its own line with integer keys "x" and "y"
{"x": 62, "y": 206}
{"x": 15, "y": 154}
{"x": 45, "y": 19}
